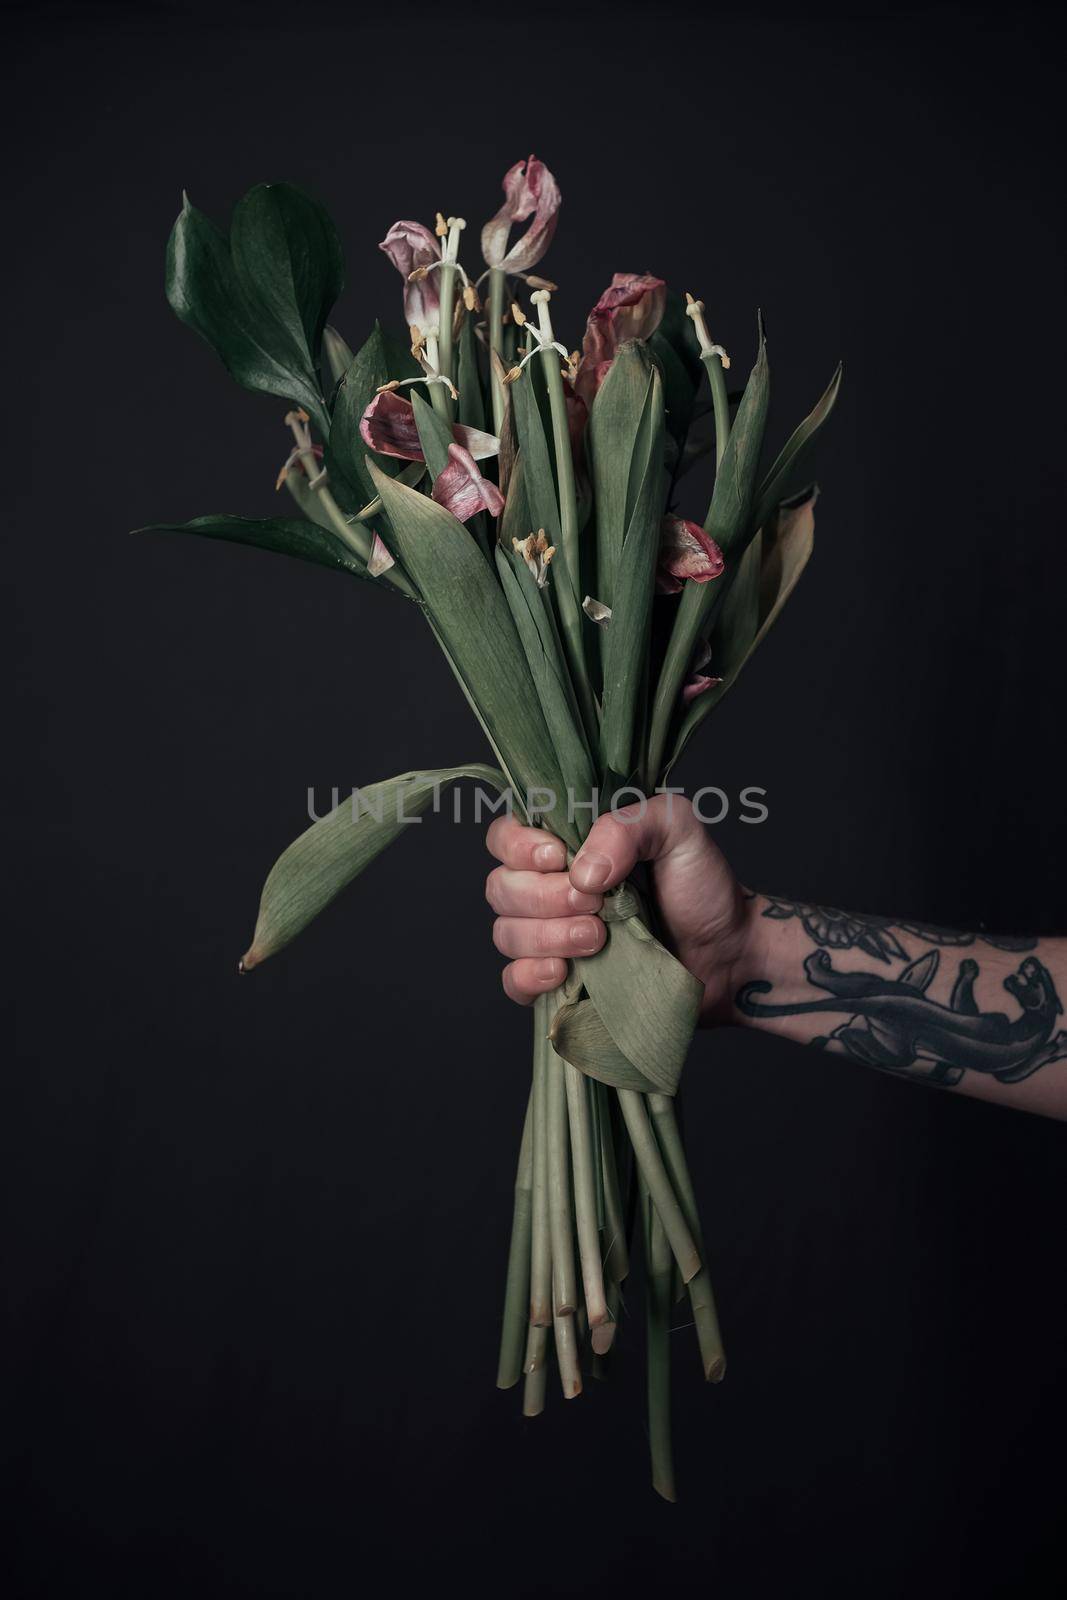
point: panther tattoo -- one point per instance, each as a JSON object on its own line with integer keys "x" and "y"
{"x": 893, "y": 1025}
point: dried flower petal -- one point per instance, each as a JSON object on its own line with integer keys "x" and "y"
{"x": 596, "y": 610}
{"x": 696, "y": 685}
{"x": 388, "y": 426}
{"x": 380, "y": 559}
{"x": 529, "y": 190}
{"x": 461, "y": 489}
{"x": 686, "y": 552}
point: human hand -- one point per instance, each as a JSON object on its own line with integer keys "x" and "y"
{"x": 546, "y": 915}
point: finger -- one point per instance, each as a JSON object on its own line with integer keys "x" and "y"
{"x": 557, "y": 936}
{"x": 531, "y": 849}
{"x": 536, "y": 894}
{"x": 524, "y": 980}
{"x": 619, "y": 839}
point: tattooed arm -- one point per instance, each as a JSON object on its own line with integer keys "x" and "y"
{"x": 956, "y": 1010}
{"x": 960, "y": 1011}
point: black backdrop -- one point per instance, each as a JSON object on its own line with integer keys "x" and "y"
{"x": 257, "y": 1228}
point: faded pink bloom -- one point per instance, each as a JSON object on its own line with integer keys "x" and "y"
{"x": 632, "y": 308}
{"x": 461, "y": 489}
{"x": 529, "y": 190}
{"x": 696, "y": 685}
{"x": 685, "y": 552}
{"x": 410, "y": 245}
{"x": 388, "y": 426}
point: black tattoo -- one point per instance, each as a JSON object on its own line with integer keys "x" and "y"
{"x": 876, "y": 936}
{"x": 893, "y": 1025}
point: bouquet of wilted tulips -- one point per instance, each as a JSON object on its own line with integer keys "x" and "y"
{"x": 524, "y": 498}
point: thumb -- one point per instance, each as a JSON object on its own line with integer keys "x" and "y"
{"x": 619, "y": 839}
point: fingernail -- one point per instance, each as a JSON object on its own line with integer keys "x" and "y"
{"x": 590, "y": 871}
{"x": 584, "y": 936}
{"x": 546, "y": 971}
{"x": 578, "y": 900}
{"x": 550, "y": 857}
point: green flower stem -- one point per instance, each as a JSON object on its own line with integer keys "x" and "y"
{"x": 654, "y": 1174}
{"x": 616, "y": 1258}
{"x": 701, "y": 1298}
{"x": 439, "y": 398}
{"x": 497, "y": 294}
{"x": 585, "y": 1196}
{"x": 570, "y": 1374}
{"x": 719, "y": 401}
{"x": 658, "y": 1324}
{"x": 535, "y": 1367}
{"x": 517, "y": 1284}
{"x": 444, "y": 349}
{"x": 540, "y": 1234}
{"x": 564, "y": 1283}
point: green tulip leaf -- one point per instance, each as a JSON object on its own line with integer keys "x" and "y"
{"x": 289, "y": 536}
{"x": 578, "y": 1035}
{"x": 324, "y": 860}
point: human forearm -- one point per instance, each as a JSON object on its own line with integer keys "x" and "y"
{"x": 957, "y": 1010}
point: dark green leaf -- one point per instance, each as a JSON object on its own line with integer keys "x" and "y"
{"x": 469, "y": 383}
{"x": 346, "y": 452}
{"x": 288, "y": 257}
{"x": 289, "y": 536}
{"x": 435, "y": 435}
{"x": 205, "y": 291}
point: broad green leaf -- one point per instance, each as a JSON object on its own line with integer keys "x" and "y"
{"x": 647, "y": 1001}
{"x": 289, "y": 536}
{"x": 617, "y": 457}
{"x": 336, "y": 848}
{"x": 288, "y": 257}
{"x": 540, "y": 476}
{"x": 785, "y": 556}
{"x": 471, "y": 616}
{"x": 515, "y": 521}
{"x": 435, "y": 435}
{"x": 625, "y": 639}
{"x": 784, "y": 473}
{"x": 206, "y": 293}
{"x": 544, "y": 656}
{"x": 578, "y": 1035}
{"x": 676, "y": 328}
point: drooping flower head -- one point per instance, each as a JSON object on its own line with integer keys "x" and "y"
{"x": 530, "y": 190}
{"x": 685, "y": 552}
{"x": 411, "y": 246}
{"x": 631, "y": 308}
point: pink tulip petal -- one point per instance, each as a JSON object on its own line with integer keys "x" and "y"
{"x": 461, "y": 489}
{"x": 529, "y": 190}
{"x": 388, "y": 426}
{"x": 696, "y": 686}
{"x": 409, "y": 245}
{"x": 380, "y": 559}
{"x": 686, "y": 552}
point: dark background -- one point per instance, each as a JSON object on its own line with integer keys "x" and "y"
{"x": 257, "y": 1228}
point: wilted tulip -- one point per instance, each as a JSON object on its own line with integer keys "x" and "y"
{"x": 388, "y": 426}
{"x": 530, "y": 191}
{"x": 632, "y": 308}
{"x": 411, "y": 247}
{"x": 461, "y": 489}
{"x": 685, "y": 552}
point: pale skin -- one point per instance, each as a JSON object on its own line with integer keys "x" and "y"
{"x": 917, "y": 1002}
